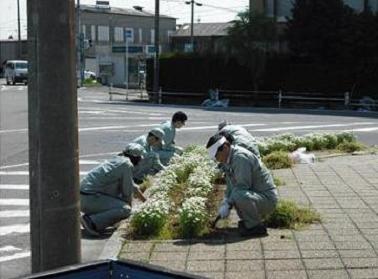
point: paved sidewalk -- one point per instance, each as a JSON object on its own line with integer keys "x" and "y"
{"x": 344, "y": 190}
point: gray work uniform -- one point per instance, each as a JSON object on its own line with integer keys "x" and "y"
{"x": 106, "y": 192}
{"x": 242, "y": 138}
{"x": 150, "y": 164}
{"x": 250, "y": 186}
{"x": 168, "y": 150}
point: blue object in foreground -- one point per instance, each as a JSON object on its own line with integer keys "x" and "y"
{"x": 110, "y": 269}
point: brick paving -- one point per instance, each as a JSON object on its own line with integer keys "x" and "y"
{"x": 344, "y": 190}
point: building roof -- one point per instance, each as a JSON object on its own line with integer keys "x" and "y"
{"x": 204, "y": 29}
{"x": 119, "y": 11}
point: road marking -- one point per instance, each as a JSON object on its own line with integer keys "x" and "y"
{"x": 15, "y": 202}
{"x": 21, "y": 228}
{"x": 276, "y": 129}
{"x": 15, "y": 256}
{"x": 216, "y": 127}
{"x": 363, "y": 129}
{"x": 27, "y": 172}
{"x": 13, "y": 131}
{"x": 9, "y": 248}
{"x": 14, "y": 213}
{"x": 14, "y": 187}
{"x": 114, "y": 127}
{"x": 81, "y": 162}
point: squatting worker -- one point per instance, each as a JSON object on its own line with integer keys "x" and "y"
{"x": 106, "y": 192}
{"x": 239, "y": 136}
{"x": 150, "y": 164}
{"x": 250, "y": 186}
{"x": 169, "y": 149}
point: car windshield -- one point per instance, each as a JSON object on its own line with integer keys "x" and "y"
{"x": 21, "y": 65}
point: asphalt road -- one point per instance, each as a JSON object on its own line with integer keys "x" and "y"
{"x": 106, "y": 127}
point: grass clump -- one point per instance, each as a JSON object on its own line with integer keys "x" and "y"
{"x": 146, "y": 183}
{"x": 350, "y": 147}
{"x": 277, "y": 160}
{"x": 278, "y": 182}
{"x": 288, "y": 215}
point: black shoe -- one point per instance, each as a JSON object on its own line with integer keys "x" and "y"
{"x": 258, "y": 230}
{"x": 88, "y": 225}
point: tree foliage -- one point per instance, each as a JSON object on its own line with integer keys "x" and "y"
{"x": 249, "y": 40}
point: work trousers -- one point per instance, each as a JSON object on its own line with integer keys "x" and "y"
{"x": 104, "y": 210}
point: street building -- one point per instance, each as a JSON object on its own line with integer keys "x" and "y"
{"x": 104, "y": 30}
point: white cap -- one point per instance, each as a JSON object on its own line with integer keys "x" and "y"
{"x": 212, "y": 150}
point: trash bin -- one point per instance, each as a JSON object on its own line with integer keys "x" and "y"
{"x": 111, "y": 269}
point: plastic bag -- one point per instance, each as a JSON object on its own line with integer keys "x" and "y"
{"x": 300, "y": 157}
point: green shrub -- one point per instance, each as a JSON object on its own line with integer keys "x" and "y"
{"x": 277, "y": 160}
{"x": 331, "y": 141}
{"x": 288, "y": 215}
{"x": 350, "y": 147}
{"x": 346, "y": 137}
{"x": 146, "y": 183}
{"x": 278, "y": 182}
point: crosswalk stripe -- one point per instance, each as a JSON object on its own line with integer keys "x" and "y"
{"x": 14, "y": 187}
{"x": 14, "y": 213}
{"x": 9, "y": 248}
{"x": 21, "y": 228}
{"x": 15, "y": 202}
{"x": 15, "y": 256}
{"x": 27, "y": 172}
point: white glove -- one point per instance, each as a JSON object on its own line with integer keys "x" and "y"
{"x": 224, "y": 210}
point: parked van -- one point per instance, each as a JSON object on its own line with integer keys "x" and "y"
{"x": 16, "y": 71}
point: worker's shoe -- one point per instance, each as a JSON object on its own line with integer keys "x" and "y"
{"x": 258, "y": 230}
{"x": 88, "y": 225}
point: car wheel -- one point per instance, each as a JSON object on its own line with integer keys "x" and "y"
{"x": 8, "y": 82}
{"x": 13, "y": 81}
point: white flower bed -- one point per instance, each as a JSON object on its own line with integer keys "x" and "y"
{"x": 196, "y": 171}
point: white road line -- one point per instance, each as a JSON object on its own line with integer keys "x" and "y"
{"x": 363, "y": 129}
{"x": 216, "y": 127}
{"x": 276, "y": 129}
{"x": 27, "y": 172}
{"x": 14, "y": 213}
{"x": 81, "y": 162}
{"x": 9, "y": 248}
{"x": 13, "y": 131}
{"x": 14, "y": 187}
{"x": 21, "y": 228}
{"x": 14, "y": 202}
{"x": 15, "y": 256}
{"x": 114, "y": 127}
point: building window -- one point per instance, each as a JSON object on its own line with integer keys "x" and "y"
{"x": 140, "y": 35}
{"x": 152, "y": 36}
{"x": 93, "y": 32}
{"x": 118, "y": 34}
{"x": 83, "y": 29}
{"x": 103, "y": 33}
{"x": 130, "y": 32}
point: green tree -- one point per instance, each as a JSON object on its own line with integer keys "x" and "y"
{"x": 318, "y": 30}
{"x": 250, "y": 39}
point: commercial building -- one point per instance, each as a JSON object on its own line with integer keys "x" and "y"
{"x": 104, "y": 28}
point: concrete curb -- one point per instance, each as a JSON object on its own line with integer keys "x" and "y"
{"x": 113, "y": 246}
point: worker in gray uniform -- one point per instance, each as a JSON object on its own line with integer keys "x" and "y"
{"x": 169, "y": 149}
{"x": 250, "y": 186}
{"x": 106, "y": 192}
{"x": 150, "y": 164}
{"x": 239, "y": 136}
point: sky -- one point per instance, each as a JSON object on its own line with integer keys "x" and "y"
{"x": 211, "y": 11}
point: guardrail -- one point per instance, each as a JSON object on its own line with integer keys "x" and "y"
{"x": 274, "y": 98}
{"x": 134, "y": 93}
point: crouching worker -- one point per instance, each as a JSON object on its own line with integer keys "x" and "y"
{"x": 106, "y": 192}
{"x": 250, "y": 186}
{"x": 150, "y": 164}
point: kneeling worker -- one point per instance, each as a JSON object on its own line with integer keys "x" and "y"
{"x": 106, "y": 192}
{"x": 250, "y": 186}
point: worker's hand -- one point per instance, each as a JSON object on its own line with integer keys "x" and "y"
{"x": 224, "y": 209}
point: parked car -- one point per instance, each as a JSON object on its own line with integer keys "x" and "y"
{"x": 89, "y": 74}
{"x": 16, "y": 71}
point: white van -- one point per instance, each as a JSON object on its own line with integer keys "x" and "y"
{"x": 16, "y": 71}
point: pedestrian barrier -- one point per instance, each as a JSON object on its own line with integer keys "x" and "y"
{"x": 136, "y": 94}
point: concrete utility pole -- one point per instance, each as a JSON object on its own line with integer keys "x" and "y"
{"x": 156, "y": 60}
{"x": 192, "y": 2}
{"x": 53, "y": 135}
{"x": 19, "y": 30}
